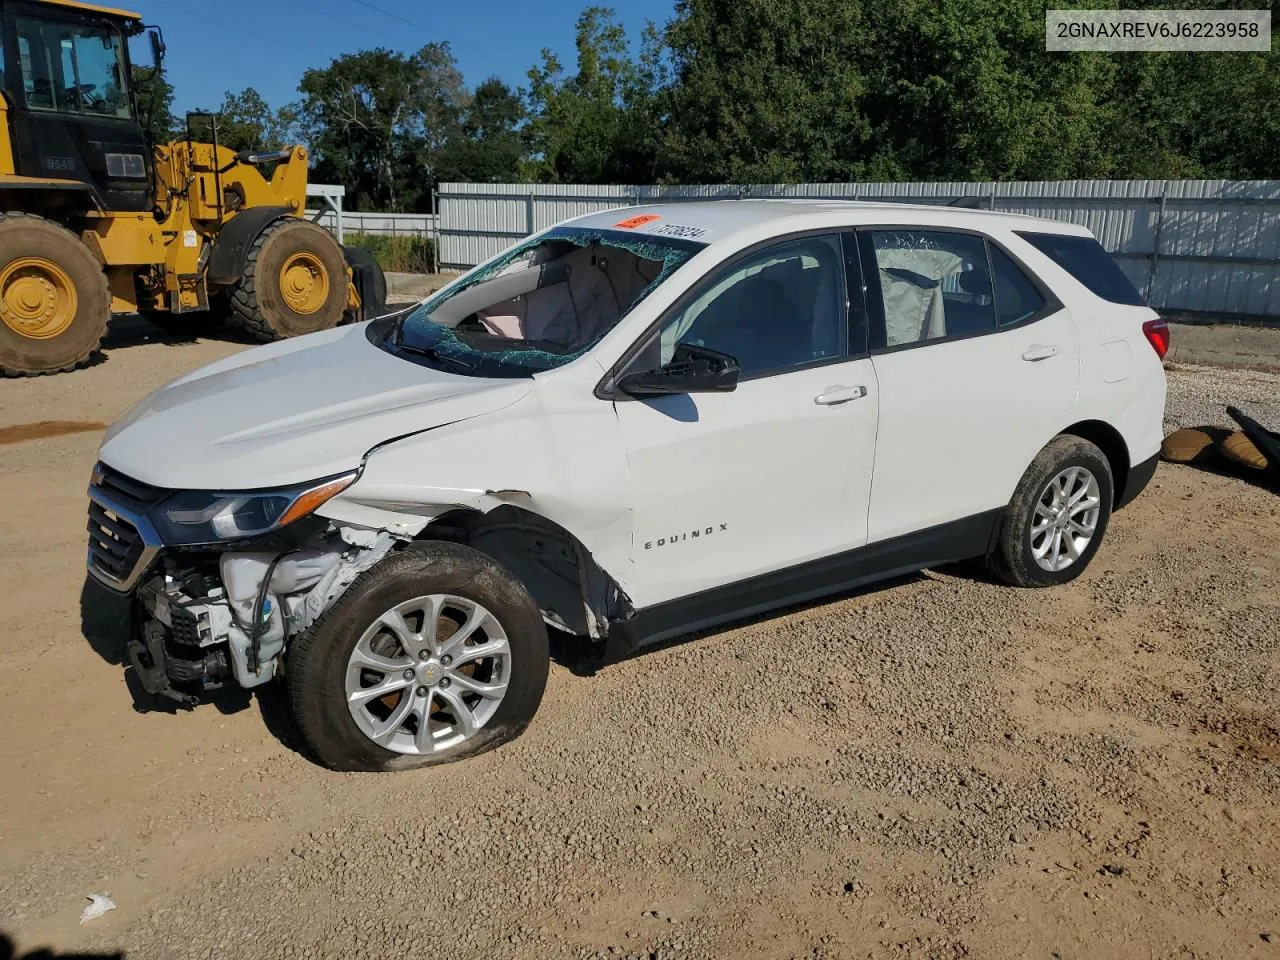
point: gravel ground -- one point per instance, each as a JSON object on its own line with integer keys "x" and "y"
{"x": 939, "y": 768}
{"x": 1199, "y": 396}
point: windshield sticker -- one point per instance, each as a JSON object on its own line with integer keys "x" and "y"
{"x": 680, "y": 230}
{"x": 638, "y": 221}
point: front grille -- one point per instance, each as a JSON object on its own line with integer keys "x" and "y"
{"x": 130, "y": 493}
{"x": 115, "y": 546}
{"x": 122, "y": 543}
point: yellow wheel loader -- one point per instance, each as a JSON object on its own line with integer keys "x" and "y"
{"x": 95, "y": 221}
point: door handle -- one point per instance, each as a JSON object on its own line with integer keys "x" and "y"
{"x": 833, "y": 395}
{"x": 1041, "y": 351}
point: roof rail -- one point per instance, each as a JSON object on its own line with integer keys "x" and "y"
{"x": 972, "y": 203}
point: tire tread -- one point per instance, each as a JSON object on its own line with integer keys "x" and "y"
{"x": 101, "y": 292}
{"x": 1010, "y": 561}
{"x": 305, "y": 674}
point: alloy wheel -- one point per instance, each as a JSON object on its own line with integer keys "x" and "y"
{"x": 428, "y": 674}
{"x": 1065, "y": 519}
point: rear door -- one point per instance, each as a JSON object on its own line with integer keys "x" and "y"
{"x": 978, "y": 368}
{"x": 777, "y": 472}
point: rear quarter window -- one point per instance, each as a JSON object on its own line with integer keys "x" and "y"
{"x": 1084, "y": 259}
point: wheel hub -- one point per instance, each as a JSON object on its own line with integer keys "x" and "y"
{"x": 428, "y": 674}
{"x": 304, "y": 282}
{"x": 37, "y": 298}
{"x": 1065, "y": 519}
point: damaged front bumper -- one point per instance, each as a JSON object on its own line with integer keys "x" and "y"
{"x": 204, "y": 618}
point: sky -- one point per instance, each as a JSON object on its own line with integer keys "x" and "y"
{"x": 267, "y": 44}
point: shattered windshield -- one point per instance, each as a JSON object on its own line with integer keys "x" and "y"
{"x": 536, "y": 307}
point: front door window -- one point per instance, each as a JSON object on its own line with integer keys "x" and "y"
{"x": 777, "y": 309}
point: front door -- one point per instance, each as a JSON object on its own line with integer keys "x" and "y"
{"x": 729, "y": 486}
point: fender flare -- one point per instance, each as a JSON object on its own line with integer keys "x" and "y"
{"x": 231, "y": 249}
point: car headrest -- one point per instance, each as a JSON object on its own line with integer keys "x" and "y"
{"x": 974, "y": 281}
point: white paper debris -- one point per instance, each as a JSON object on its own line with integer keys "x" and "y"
{"x": 99, "y": 903}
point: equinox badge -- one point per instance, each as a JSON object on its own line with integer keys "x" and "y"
{"x": 678, "y": 537}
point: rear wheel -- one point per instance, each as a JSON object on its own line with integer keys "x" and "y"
{"x": 435, "y": 654}
{"x": 294, "y": 282}
{"x": 54, "y": 299}
{"x": 1057, "y": 517}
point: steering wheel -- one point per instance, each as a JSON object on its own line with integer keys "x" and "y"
{"x": 84, "y": 93}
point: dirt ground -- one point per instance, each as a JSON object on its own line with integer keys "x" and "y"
{"x": 937, "y": 768}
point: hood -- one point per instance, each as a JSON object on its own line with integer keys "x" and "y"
{"x": 290, "y": 412}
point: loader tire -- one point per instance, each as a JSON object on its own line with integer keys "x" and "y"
{"x": 1238, "y": 448}
{"x": 1193, "y": 445}
{"x": 294, "y": 282}
{"x": 54, "y": 299}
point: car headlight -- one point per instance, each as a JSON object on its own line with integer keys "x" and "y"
{"x": 197, "y": 517}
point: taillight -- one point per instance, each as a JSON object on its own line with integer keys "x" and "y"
{"x": 1157, "y": 334}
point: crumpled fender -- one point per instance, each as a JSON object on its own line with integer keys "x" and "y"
{"x": 402, "y": 511}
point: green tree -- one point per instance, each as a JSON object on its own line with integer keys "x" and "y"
{"x": 766, "y": 91}
{"x": 247, "y": 122}
{"x": 963, "y": 89}
{"x": 1196, "y": 115}
{"x": 378, "y": 120}
{"x": 490, "y": 146}
{"x": 579, "y": 124}
{"x": 879, "y": 89}
{"x": 154, "y": 95}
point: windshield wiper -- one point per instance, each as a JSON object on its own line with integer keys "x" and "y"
{"x": 431, "y": 353}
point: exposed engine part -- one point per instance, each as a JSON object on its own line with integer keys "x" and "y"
{"x": 203, "y": 631}
{"x": 206, "y": 669}
{"x": 147, "y": 656}
{"x": 334, "y": 583}
{"x": 243, "y": 575}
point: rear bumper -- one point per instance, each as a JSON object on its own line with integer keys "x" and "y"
{"x": 1140, "y": 475}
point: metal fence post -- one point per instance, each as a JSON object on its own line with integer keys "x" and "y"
{"x": 1155, "y": 241}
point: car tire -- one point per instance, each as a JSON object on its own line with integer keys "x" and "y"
{"x": 1042, "y": 508}
{"x": 386, "y": 619}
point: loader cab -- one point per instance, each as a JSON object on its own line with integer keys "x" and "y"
{"x": 68, "y": 89}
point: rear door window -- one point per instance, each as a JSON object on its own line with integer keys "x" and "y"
{"x": 1084, "y": 259}
{"x": 1017, "y": 299}
{"x": 932, "y": 285}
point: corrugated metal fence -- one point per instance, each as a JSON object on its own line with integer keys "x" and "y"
{"x": 1198, "y": 245}
{"x": 387, "y": 224}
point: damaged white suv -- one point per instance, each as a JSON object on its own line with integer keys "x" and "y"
{"x": 628, "y": 426}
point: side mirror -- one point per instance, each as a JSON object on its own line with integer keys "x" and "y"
{"x": 692, "y": 369}
{"x": 157, "y": 46}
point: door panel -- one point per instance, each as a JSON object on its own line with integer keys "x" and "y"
{"x": 727, "y": 486}
{"x": 978, "y": 367}
{"x": 960, "y": 421}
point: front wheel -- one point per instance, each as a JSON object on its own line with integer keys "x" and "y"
{"x": 54, "y": 298}
{"x": 1057, "y": 517}
{"x": 294, "y": 282}
{"x": 435, "y": 654}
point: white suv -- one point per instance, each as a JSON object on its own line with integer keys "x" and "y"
{"x": 628, "y": 426}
